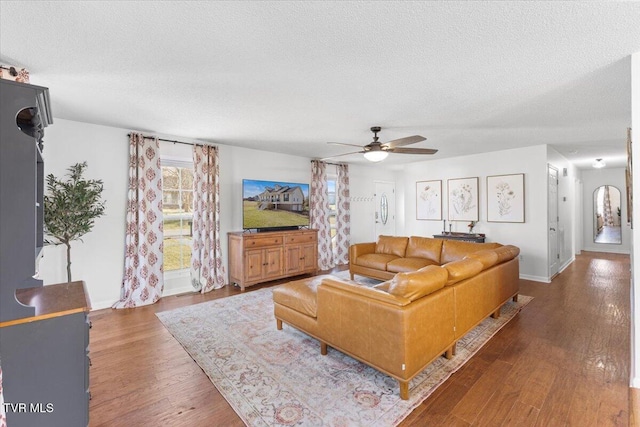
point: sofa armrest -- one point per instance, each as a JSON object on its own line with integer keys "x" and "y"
{"x": 358, "y": 249}
{"x": 373, "y": 293}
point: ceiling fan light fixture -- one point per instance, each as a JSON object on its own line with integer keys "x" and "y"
{"x": 598, "y": 163}
{"x": 376, "y": 156}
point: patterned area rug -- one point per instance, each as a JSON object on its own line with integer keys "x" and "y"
{"x": 279, "y": 378}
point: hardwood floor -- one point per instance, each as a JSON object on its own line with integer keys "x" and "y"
{"x": 564, "y": 360}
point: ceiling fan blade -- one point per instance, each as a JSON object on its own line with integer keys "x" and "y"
{"x": 412, "y": 150}
{"x": 340, "y": 155}
{"x": 342, "y": 143}
{"x": 404, "y": 141}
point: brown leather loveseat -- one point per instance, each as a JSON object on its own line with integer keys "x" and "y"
{"x": 393, "y": 254}
{"x": 400, "y": 326}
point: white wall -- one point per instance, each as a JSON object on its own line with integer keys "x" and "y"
{"x": 592, "y": 179}
{"x": 362, "y": 188}
{"x": 532, "y": 161}
{"x": 569, "y": 206}
{"x": 99, "y": 259}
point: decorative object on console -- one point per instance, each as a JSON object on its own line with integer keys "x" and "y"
{"x": 505, "y": 198}
{"x": 429, "y": 200}
{"x": 71, "y": 207}
{"x": 20, "y": 75}
{"x": 463, "y": 199}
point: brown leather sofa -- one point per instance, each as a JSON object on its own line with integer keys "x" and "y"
{"x": 393, "y": 254}
{"x": 400, "y": 326}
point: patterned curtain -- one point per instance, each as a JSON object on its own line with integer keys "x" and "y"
{"x": 207, "y": 271}
{"x": 319, "y": 213}
{"x": 608, "y": 215}
{"x": 343, "y": 215}
{"x": 143, "y": 278}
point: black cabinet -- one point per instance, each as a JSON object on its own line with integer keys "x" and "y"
{"x": 44, "y": 330}
{"x": 24, "y": 113}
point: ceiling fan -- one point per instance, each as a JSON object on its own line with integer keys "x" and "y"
{"x": 377, "y": 151}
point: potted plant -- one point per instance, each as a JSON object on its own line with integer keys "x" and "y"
{"x": 70, "y": 208}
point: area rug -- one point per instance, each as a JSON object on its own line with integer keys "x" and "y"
{"x": 279, "y": 378}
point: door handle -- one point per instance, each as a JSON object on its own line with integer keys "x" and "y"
{"x": 552, "y": 229}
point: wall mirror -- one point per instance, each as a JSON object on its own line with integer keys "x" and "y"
{"x": 607, "y": 215}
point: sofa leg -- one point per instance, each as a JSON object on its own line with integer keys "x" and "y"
{"x": 449, "y": 353}
{"x": 279, "y": 324}
{"x": 404, "y": 390}
{"x": 496, "y": 314}
{"x": 351, "y": 275}
{"x": 453, "y": 348}
{"x": 323, "y": 348}
{"x": 515, "y": 298}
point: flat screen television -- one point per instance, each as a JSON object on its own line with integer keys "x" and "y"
{"x": 274, "y": 205}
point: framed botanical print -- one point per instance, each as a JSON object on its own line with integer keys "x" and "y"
{"x": 505, "y": 198}
{"x": 462, "y": 199}
{"x": 429, "y": 200}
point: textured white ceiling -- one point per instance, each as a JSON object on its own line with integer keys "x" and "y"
{"x": 289, "y": 76}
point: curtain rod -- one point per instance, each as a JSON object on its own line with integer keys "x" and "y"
{"x": 329, "y": 163}
{"x": 172, "y": 140}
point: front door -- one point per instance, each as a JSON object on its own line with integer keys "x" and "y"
{"x": 554, "y": 255}
{"x": 385, "y": 209}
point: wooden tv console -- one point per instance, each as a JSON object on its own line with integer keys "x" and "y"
{"x": 260, "y": 257}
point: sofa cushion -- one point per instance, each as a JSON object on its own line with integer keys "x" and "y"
{"x": 507, "y": 252}
{"x": 462, "y": 269}
{"x": 416, "y": 284}
{"x": 424, "y": 247}
{"x": 454, "y": 250}
{"x": 300, "y": 295}
{"x": 487, "y": 257}
{"x": 404, "y": 265}
{"x": 392, "y": 245}
{"x": 377, "y": 261}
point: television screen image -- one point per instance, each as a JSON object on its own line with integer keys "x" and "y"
{"x": 274, "y": 204}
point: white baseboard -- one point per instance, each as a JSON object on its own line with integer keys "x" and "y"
{"x": 607, "y": 248}
{"x": 566, "y": 264}
{"x": 101, "y": 305}
{"x": 178, "y": 290}
{"x": 535, "y": 278}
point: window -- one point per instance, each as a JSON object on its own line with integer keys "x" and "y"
{"x": 177, "y": 206}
